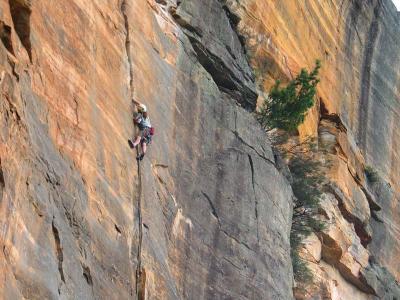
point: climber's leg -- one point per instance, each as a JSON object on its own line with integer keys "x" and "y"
{"x": 137, "y": 141}
{"x": 144, "y": 147}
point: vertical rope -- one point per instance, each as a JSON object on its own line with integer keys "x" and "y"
{"x": 139, "y": 274}
{"x": 139, "y": 271}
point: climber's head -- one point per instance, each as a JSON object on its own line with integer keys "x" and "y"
{"x": 142, "y": 108}
{"x": 144, "y": 114}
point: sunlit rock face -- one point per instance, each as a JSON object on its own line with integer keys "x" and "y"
{"x": 215, "y": 211}
{"x": 356, "y": 118}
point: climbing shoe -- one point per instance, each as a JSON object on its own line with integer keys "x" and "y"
{"x": 140, "y": 157}
{"x": 131, "y": 144}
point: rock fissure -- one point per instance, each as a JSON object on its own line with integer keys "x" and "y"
{"x": 230, "y": 236}
{"x": 253, "y": 182}
{"x": 59, "y": 251}
{"x": 140, "y": 278}
{"x": 124, "y": 13}
{"x": 234, "y": 21}
{"x": 2, "y": 182}
{"x": 213, "y": 210}
{"x": 359, "y": 226}
{"x": 140, "y": 271}
{"x": 87, "y": 275}
{"x": 252, "y": 147}
{"x": 5, "y": 36}
{"x": 366, "y": 76}
{"x": 222, "y": 75}
{"x": 237, "y": 240}
{"x": 181, "y": 22}
{"x": 21, "y": 14}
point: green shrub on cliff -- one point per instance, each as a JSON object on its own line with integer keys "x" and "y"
{"x": 371, "y": 174}
{"x": 307, "y": 185}
{"x": 285, "y": 108}
{"x": 307, "y": 180}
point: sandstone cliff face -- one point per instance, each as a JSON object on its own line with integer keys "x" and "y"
{"x": 207, "y": 214}
{"x": 357, "y": 41}
{"x": 215, "y": 211}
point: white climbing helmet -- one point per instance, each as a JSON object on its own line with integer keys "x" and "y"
{"x": 142, "y": 108}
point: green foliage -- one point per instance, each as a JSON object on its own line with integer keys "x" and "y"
{"x": 285, "y": 108}
{"x": 307, "y": 185}
{"x": 300, "y": 269}
{"x": 372, "y": 174}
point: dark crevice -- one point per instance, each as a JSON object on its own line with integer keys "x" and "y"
{"x": 375, "y": 216}
{"x": 251, "y": 147}
{"x": 59, "y": 251}
{"x": 5, "y": 35}
{"x": 226, "y": 81}
{"x": 255, "y": 195}
{"x": 86, "y": 274}
{"x": 366, "y": 74}
{"x": 332, "y": 253}
{"x": 333, "y": 118}
{"x": 183, "y": 23}
{"x": 213, "y": 210}
{"x": 371, "y": 200}
{"x": 236, "y": 240}
{"x": 140, "y": 274}
{"x": 162, "y": 2}
{"x": 141, "y": 286}
{"x": 127, "y": 44}
{"x": 214, "y": 213}
{"x": 21, "y": 14}
{"x": 359, "y": 226}
{"x": 2, "y": 182}
{"x": 117, "y": 229}
{"x": 234, "y": 21}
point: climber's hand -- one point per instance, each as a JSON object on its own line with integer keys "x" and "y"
{"x": 135, "y": 102}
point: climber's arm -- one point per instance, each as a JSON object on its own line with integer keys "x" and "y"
{"x": 135, "y": 102}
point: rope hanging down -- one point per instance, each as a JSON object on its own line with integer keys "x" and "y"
{"x": 140, "y": 272}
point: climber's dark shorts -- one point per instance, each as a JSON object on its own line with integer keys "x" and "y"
{"x": 146, "y": 136}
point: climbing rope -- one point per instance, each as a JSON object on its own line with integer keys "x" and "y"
{"x": 140, "y": 273}
{"x": 140, "y": 279}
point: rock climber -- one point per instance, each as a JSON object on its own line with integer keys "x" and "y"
{"x": 142, "y": 120}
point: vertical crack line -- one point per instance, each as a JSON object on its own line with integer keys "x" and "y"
{"x": 139, "y": 285}
{"x": 255, "y": 195}
{"x": 124, "y": 5}
{"x": 213, "y": 210}
{"x": 367, "y": 77}
{"x": 140, "y": 273}
{"x": 59, "y": 251}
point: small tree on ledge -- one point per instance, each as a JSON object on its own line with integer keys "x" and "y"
{"x": 285, "y": 108}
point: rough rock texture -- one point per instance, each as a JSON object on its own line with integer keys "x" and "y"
{"x": 357, "y": 42}
{"x": 207, "y": 214}
{"x": 216, "y": 212}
